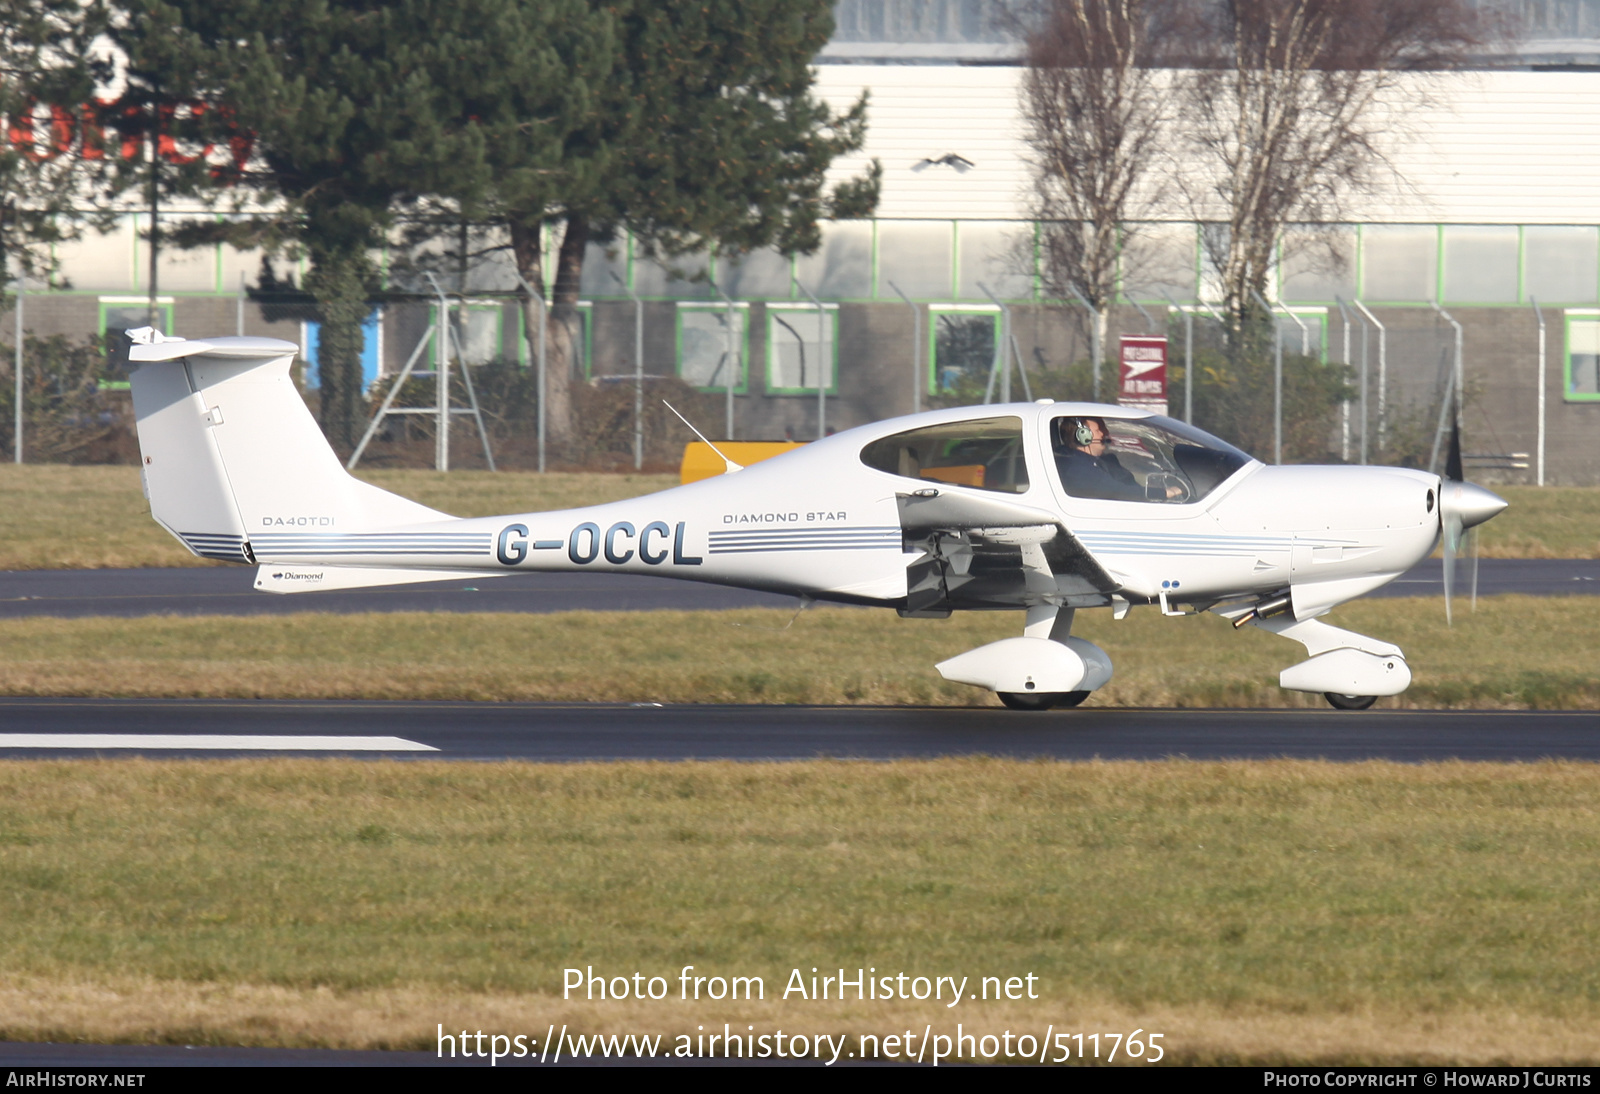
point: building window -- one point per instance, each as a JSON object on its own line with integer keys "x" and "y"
{"x": 371, "y": 350}
{"x": 1583, "y": 357}
{"x": 524, "y": 354}
{"x": 962, "y": 345}
{"x": 711, "y": 356}
{"x": 120, "y": 314}
{"x": 477, "y": 337}
{"x": 802, "y": 349}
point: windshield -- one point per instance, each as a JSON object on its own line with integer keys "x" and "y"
{"x": 1154, "y": 459}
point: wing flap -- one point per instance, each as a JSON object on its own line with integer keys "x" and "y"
{"x": 989, "y": 552}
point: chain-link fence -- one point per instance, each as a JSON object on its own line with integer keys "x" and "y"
{"x": 764, "y": 369}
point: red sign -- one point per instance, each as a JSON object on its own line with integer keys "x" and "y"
{"x": 1142, "y": 372}
{"x": 41, "y": 132}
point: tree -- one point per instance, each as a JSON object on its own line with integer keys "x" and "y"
{"x": 1097, "y": 106}
{"x": 353, "y": 105}
{"x": 1281, "y": 114}
{"x": 687, "y": 125}
{"x": 48, "y": 68}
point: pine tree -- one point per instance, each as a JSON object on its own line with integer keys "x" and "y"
{"x": 352, "y": 105}
{"x": 47, "y": 75}
{"x": 687, "y": 124}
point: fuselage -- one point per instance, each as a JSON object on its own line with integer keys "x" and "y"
{"x": 827, "y": 521}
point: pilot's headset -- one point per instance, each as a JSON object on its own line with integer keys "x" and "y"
{"x": 1081, "y": 433}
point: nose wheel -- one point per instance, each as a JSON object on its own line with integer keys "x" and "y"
{"x": 1041, "y": 700}
{"x": 1349, "y": 702}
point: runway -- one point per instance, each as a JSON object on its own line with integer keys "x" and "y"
{"x": 550, "y": 732}
{"x": 229, "y": 591}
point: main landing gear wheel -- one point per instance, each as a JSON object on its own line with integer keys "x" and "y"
{"x": 1041, "y": 700}
{"x": 1349, "y": 702}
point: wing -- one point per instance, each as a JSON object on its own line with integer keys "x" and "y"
{"x": 980, "y": 551}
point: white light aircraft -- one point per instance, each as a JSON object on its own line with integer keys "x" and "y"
{"x": 1041, "y": 508}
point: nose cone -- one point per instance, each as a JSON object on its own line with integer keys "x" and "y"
{"x": 1469, "y": 503}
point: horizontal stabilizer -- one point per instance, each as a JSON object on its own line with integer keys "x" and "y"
{"x": 311, "y": 579}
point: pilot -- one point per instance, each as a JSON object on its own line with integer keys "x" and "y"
{"x": 1087, "y": 469}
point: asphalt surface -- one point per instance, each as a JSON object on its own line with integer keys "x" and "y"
{"x": 229, "y": 591}
{"x": 552, "y": 732}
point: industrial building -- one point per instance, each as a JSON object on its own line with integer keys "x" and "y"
{"x": 1489, "y": 224}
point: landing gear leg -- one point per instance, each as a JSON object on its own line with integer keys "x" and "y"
{"x": 1350, "y": 670}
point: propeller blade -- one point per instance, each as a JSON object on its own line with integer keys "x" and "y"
{"x": 1452, "y": 463}
{"x": 1473, "y": 552}
{"x": 1451, "y": 525}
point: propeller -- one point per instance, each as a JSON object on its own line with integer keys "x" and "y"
{"x": 1462, "y": 507}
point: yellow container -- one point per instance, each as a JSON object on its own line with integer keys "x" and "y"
{"x": 700, "y": 462}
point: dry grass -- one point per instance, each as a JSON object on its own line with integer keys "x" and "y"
{"x": 133, "y": 1010}
{"x": 1552, "y": 522}
{"x": 72, "y": 518}
{"x": 61, "y": 517}
{"x": 1260, "y": 912}
{"x": 1514, "y": 652}
{"x": 481, "y": 494}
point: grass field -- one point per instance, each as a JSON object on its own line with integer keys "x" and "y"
{"x": 61, "y": 517}
{"x": 1514, "y": 652}
{"x": 1289, "y": 912}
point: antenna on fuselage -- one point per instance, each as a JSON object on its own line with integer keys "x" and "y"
{"x": 732, "y": 467}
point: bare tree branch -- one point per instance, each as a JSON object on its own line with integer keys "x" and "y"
{"x": 1279, "y": 117}
{"x": 1096, "y": 105}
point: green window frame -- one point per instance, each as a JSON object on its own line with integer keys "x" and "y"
{"x": 120, "y": 310}
{"x": 1314, "y": 316}
{"x": 528, "y": 357}
{"x": 802, "y": 324}
{"x": 474, "y": 308}
{"x": 1580, "y": 369}
{"x": 949, "y": 313}
{"x": 695, "y": 352}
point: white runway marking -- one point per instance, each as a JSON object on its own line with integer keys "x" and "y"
{"x": 229, "y": 742}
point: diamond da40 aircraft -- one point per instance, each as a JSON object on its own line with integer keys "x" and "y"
{"x": 1041, "y": 508}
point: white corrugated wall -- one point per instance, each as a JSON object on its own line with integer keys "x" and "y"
{"x": 1468, "y": 148}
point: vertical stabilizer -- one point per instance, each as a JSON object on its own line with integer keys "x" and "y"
{"x": 229, "y": 450}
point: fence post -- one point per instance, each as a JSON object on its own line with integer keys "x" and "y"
{"x": 916, "y": 356}
{"x": 731, "y": 356}
{"x": 1277, "y": 379}
{"x": 16, "y": 440}
{"x": 1456, "y": 385}
{"x": 1539, "y": 376}
{"x": 1366, "y": 421}
{"x": 1383, "y": 373}
{"x": 1188, "y": 357}
{"x": 822, "y": 363}
{"x": 441, "y": 375}
{"x": 1094, "y": 337}
{"x": 638, "y": 371}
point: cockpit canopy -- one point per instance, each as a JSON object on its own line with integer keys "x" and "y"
{"x": 1151, "y": 459}
{"x": 1154, "y": 459}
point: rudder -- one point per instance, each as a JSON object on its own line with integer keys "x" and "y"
{"x": 228, "y": 449}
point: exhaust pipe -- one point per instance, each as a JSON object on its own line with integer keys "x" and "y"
{"x": 1266, "y": 609}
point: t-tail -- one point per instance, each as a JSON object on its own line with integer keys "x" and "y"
{"x": 235, "y": 466}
